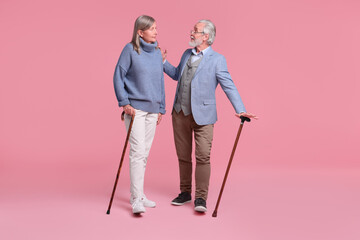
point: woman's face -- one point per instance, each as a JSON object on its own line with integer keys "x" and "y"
{"x": 149, "y": 35}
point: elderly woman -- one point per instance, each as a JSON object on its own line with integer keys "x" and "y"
{"x": 139, "y": 88}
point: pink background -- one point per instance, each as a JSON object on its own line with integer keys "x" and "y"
{"x": 295, "y": 174}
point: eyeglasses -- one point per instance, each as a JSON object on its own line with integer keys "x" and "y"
{"x": 195, "y": 32}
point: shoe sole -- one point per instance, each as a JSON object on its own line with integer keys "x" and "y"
{"x": 149, "y": 206}
{"x": 200, "y": 209}
{"x": 138, "y": 212}
{"x": 179, "y": 204}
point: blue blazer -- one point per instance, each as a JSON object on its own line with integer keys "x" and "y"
{"x": 211, "y": 72}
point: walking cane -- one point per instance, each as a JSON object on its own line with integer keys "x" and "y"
{"x": 243, "y": 119}
{"x": 121, "y": 161}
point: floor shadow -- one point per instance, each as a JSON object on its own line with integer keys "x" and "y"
{"x": 199, "y": 213}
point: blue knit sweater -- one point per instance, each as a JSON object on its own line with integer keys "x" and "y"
{"x": 139, "y": 78}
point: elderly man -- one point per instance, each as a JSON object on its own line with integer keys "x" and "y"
{"x": 194, "y": 112}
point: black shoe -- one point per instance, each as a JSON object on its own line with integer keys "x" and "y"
{"x": 183, "y": 198}
{"x": 200, "y": 205}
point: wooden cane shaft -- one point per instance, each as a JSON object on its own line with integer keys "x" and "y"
{"x": 228, "y": 169}
{"x": 120, "y": 165}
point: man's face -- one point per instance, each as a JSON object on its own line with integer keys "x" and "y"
{"x": 197, "y": 35}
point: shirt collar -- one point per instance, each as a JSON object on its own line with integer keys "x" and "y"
{"x": 203, "y": 52}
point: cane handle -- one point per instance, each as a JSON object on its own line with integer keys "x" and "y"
{"x": 244, "y": 119}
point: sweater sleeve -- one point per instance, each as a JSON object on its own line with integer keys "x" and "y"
{"x": 121, "y": 70}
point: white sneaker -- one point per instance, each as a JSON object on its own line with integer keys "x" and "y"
{"x": 146, "y": 202}
{"x": 138, "y": 206}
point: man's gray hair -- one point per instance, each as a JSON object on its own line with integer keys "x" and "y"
{"x": 209, "y": 29}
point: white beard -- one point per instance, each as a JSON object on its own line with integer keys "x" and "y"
{"x": 195, "y": 43}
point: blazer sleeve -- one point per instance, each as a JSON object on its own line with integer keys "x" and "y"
{"x": 175, "y": 72}
{"x": 228, "y": 86}
{"x": 171, "y": 71}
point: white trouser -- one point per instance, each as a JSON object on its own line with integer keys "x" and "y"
{"x": 141, "y": 137}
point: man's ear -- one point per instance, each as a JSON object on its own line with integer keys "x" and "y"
{"x": 206, "y": 37}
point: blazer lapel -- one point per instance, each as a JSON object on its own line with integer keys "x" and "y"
{"x": 203, "y": 61}
{"x": 184, "y": 64}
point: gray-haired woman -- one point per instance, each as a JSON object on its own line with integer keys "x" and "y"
{"x": 139, "y": 88}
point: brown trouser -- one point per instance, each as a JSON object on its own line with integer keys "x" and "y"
{"x": 183, "y": 127}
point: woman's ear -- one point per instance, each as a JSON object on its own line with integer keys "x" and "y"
{"x": 140, "y": 33}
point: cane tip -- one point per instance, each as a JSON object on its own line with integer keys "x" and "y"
{"x": 214, "y": 214}
{"x": 108, "y": 212}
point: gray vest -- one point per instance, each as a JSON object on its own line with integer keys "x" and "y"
{"x": 183, "y": 100}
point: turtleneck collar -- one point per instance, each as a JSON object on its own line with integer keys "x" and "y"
{"x": 147, "y": 47}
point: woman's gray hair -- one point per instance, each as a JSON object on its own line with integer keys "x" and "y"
{"x": 142, "y": 23}
{"x": 209, "y": 29}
